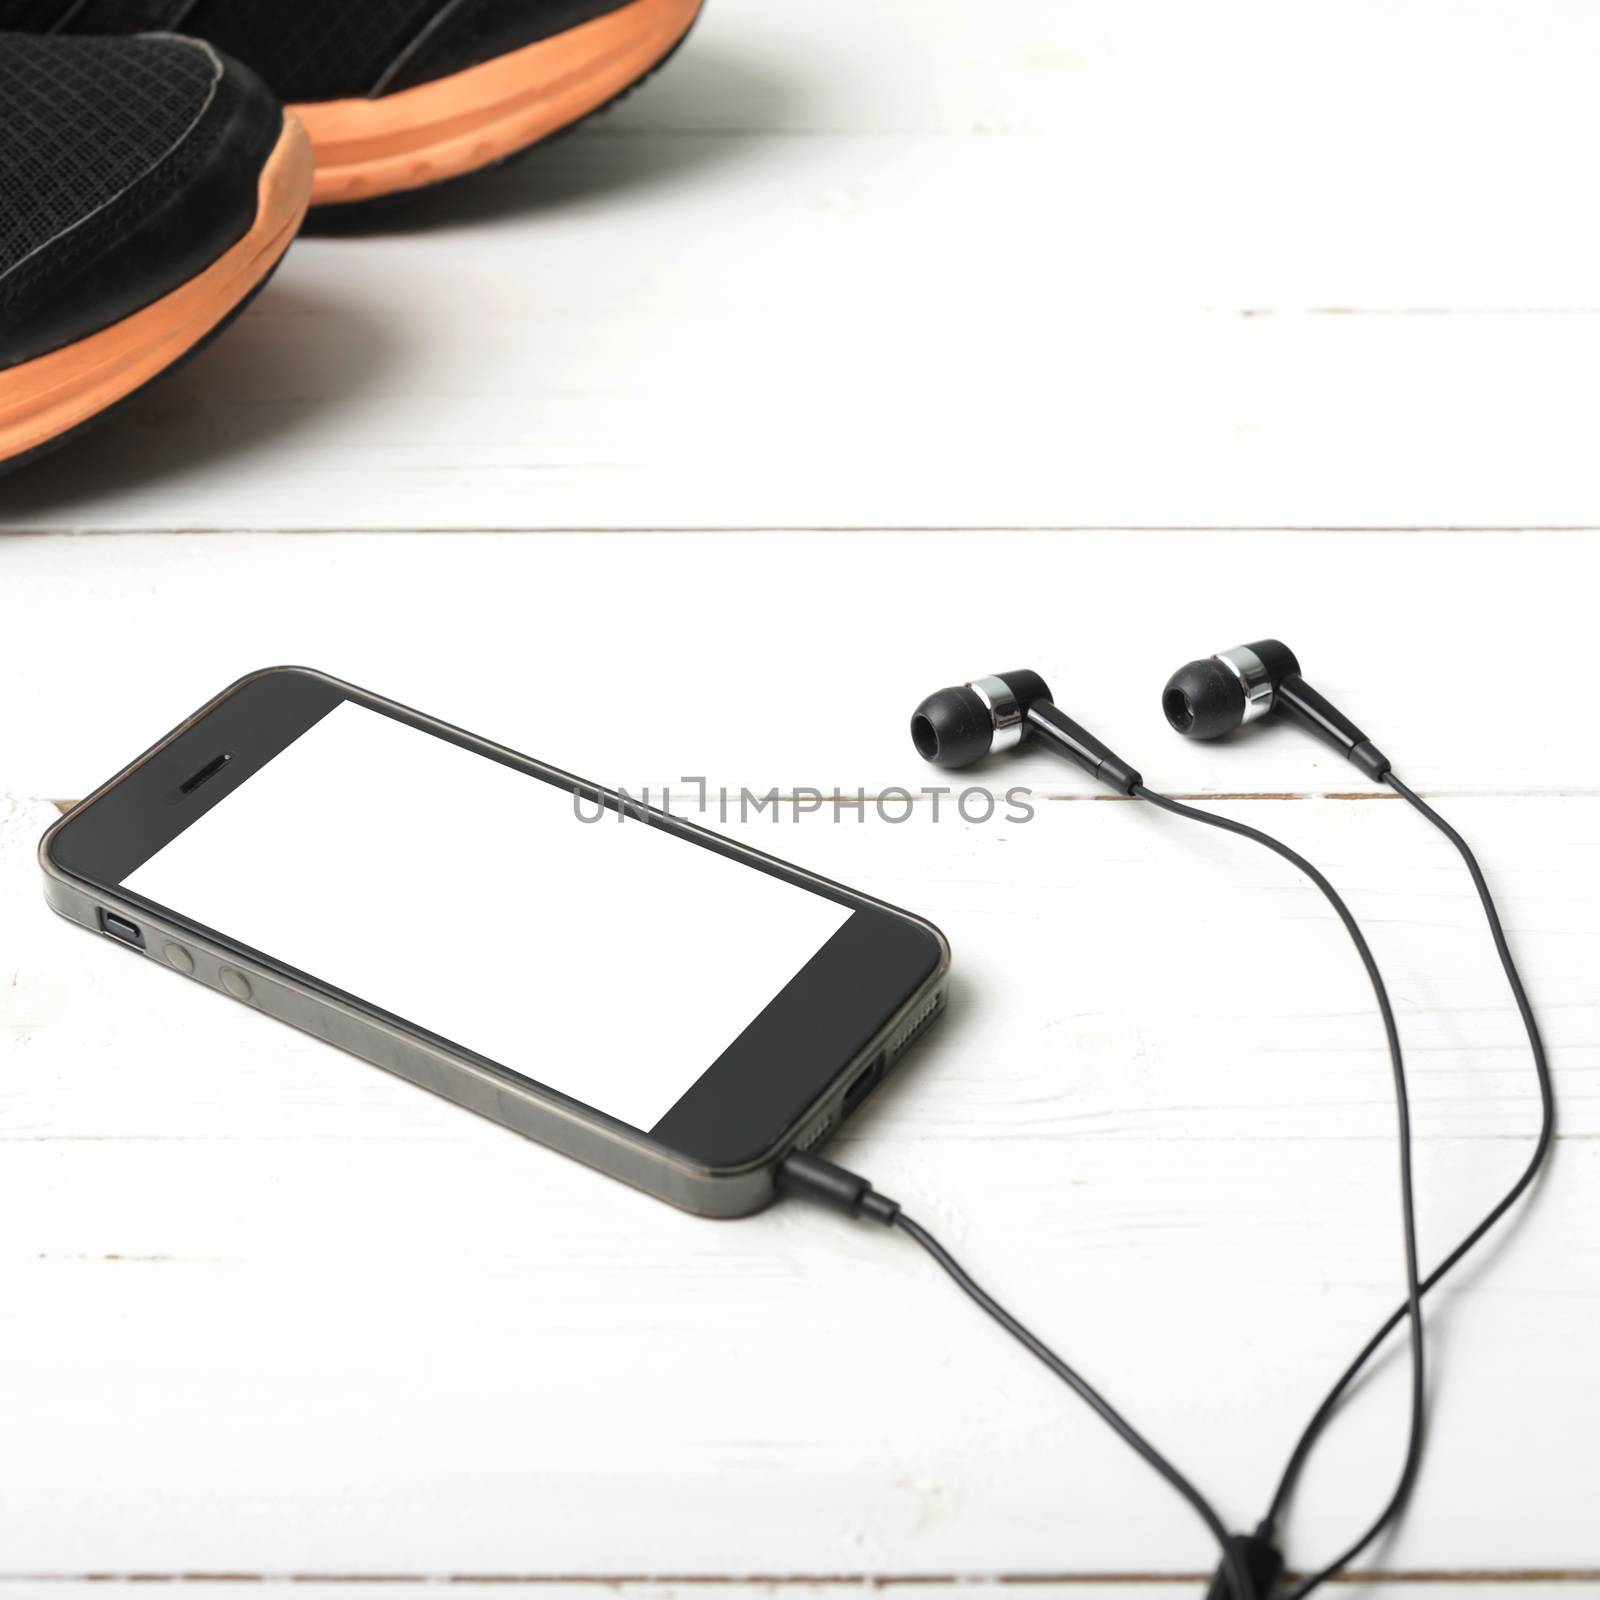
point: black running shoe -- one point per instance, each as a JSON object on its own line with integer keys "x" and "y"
{"x": 148, "y": 187}
{"x": 400, "y": 94}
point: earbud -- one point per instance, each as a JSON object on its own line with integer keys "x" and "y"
{"x": 1209, "y": 698}
{"x": 955, "y": 727}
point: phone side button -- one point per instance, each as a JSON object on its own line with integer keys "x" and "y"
{"x": 235, "y": 983}
{"x": 178, "y": 958}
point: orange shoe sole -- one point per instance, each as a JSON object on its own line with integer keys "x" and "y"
{"x": 484, "y": 114}
{"x": 44, "y": 400}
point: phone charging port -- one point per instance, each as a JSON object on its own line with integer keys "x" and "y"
{"x": 121, "y": 928}
{"x": 863, "y": 1084}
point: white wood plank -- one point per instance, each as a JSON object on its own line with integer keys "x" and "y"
{"x": 271, "y": 1312}
{"x": 1418, "y": 69}
{"x": 797, "y": 660}
{"x": 908, "y": 266}
{"x": 381, "y": 1356}
{"x": 317, "y": 413}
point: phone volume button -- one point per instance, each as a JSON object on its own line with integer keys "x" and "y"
{"x": 178, "y": 958}
{"x": 235, "y": 983}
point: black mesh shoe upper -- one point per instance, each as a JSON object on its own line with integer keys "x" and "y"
{"x": 127, "y": 166}
{"x": 310, "y": 50}
{"x": 81, "y": 122}
{"x": 314, "y": 49}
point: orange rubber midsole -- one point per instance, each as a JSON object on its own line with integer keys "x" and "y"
{"x": 483, "y": 114}
{"x": 51, "y": 395}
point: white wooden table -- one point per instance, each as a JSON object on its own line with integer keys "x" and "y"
{"x": 872, "y": 347}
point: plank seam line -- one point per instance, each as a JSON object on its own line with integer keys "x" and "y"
{"x": 1418, "y": 1575}
{"x": 125, "y": 530}
{"x": 1205, "y": 796}
{"x": 1435, "y": 1140}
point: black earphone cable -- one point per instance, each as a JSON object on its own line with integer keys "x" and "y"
{"x": 1204, "y": 700}
{"x": 1408, "y": 1215}
{"x": 846, "y": 1191}
{"x": 1238, "y": 1580}
{"x": 1541, "y": 1150}
{"x": 855, "y": 1195}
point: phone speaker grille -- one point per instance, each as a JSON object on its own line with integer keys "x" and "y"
{"x": 911, "y": 1029}
{"x": 816, "y": 1133}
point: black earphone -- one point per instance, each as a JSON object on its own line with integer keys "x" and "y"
{"x": 955, "y": 727}
{"x": 1207, "y": 699}
{"x": 1204, "y": 700}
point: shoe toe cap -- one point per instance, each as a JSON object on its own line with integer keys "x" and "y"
{"x": 127, "y": 167}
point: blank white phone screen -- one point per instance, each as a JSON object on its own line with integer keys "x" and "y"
{"x": 610, "y": 960}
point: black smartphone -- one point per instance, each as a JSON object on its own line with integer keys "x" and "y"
{"x": 660, "y": 1002}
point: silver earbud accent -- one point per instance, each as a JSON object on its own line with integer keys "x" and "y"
{"x": 1253, "y": 678}
{"x": 1003, "y": 708}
